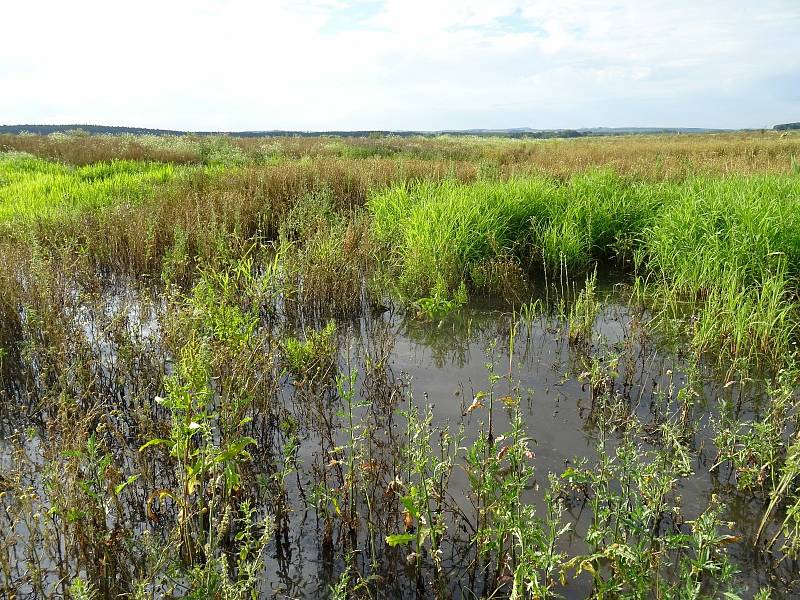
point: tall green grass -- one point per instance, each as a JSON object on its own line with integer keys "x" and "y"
{"x": 730, "y": 248}
{"x": 35, "y": 189}
{"x": 443, "y": 231}
{"x": 711, "y": 229}
{"x": 596, "y": 215}
{"x": 436, "y": 232}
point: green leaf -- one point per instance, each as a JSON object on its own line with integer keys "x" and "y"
{"x": 400, "y": 538}
{"x": 121, "y": 486}
{"x": 104, "y": 462}
{"x": 236, "y": 449}
{"x": 153, "y": 442}
{"x": 408, "y": 503}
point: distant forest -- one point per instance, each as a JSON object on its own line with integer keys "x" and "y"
{"x": 787, "y": 126}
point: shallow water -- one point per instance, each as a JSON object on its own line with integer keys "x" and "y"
{"x": 445, "y": 366}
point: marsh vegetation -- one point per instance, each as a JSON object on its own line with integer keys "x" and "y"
{"x": 379, "y": 368}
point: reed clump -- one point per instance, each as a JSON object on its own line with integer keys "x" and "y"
{"x": 450, "y": 229}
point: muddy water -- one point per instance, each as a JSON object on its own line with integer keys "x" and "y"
{"x": 443, "y": 366}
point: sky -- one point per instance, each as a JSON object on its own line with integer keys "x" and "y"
{"x": 400, "y": 64}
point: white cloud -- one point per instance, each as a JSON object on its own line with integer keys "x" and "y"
{"x": 347, "y": 64}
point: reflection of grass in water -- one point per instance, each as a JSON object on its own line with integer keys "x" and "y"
{"x": 449, "y": 340}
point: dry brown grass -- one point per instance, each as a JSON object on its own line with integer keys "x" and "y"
{"x": 79, "y": 150}
{"x": 666, "y": 156}
{"x": 196, "y": 214}
{"x": 650, "y": 156}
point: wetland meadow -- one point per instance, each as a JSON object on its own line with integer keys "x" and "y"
{"x": 400, "y": 367}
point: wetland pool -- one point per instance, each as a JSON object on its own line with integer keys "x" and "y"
{"x": 332, "y": 472}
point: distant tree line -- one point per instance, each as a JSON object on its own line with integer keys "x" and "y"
{"x": 519, "y": 133}
{"x": 115, "y": 130}
{"x": 786, "y": 126}
{"x": 88, "y": 129}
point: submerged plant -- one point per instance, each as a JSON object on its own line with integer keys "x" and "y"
{"x": 439, "y": 304}
{"x": 637, "y": 524}
{"x": 423, "y": 494}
